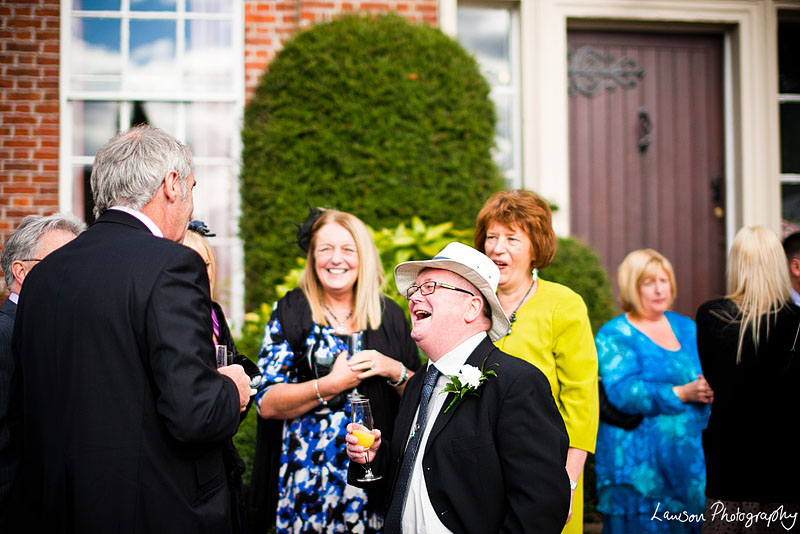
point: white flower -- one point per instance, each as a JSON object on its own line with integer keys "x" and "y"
{"x": 466, "y": 382}
{"x": 470, "y": 376}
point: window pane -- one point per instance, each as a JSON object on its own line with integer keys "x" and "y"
{"x": 790, "y": 137}
{"x": 95, "y": 52}
{"x": 210, "y": 129}
{"x": 214, "y": 203}
{"x": 82, "y": 202}
{"x": 486, "y": 32}
{"x": 152, "y": 54}
{"x": 93, "y": 124}
{"x": 162, "y": 115}
{"x": 209, "y": 46}
{"x": 504, "y": 151}
{"x": 153, "y": 5}
{"x": 96, "y": 5}
{"x": 209, "y": 6}
{"x": 790, "y": 193}
{"x": 788, "y": 64}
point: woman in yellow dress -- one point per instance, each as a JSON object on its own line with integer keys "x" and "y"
{"x": 549, "y": 322}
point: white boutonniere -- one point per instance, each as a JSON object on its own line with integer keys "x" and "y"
{"x": 467, "y": 382}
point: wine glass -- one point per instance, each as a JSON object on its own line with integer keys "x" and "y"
{"x": 361, "y": 413}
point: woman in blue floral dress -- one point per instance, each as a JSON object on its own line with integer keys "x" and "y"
{"x": 308, "y": 373}
{"x": 651, "y": 478}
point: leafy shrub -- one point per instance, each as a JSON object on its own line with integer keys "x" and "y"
{"x": 375, "y": 116}
{"x": 578, "y": 267}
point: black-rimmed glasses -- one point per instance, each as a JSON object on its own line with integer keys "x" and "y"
{"x": 429, "y": 287}
{"x": 29, "y": 259}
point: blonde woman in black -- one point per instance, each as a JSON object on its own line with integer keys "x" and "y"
{"x": 747, "y": 343}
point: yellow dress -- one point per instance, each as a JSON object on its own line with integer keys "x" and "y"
{"x": 552, "y": 331}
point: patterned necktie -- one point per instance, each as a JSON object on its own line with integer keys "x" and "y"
{"x": 394, "y": 517}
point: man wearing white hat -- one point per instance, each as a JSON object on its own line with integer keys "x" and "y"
{"x": 479, "y": 444}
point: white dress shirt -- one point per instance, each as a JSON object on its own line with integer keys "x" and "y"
{"x": 795, "y": 296}
{"x": 418, "y": 514}
{"x": 14, "y": 297}
{"x": 147, "y": 221}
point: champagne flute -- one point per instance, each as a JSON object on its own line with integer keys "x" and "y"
{"x": 361, "y": 413}
{"x": 222, "y": 355}
{"x": 353, "y": 346}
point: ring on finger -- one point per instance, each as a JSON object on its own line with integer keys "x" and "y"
{"x": 371, "y": 365}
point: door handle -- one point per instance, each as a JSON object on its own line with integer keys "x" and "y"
{"x": 716, "y": 196}
{"x": 645, "y": 126}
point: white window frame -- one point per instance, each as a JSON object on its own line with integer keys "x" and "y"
{"x": 786, "y": 177}
{"x": 449, "y": 25}
{"x": 235, "y": 96}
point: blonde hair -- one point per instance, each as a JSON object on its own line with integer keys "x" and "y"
{"x": 195, "y": 241}
{"x": 758, "y": 280}
{"x": 637, "y": 267}
{"x": 367, "y": 289}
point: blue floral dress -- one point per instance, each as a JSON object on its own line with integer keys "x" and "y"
{"x": 313, "y": 491}
{"x": 651, "y": 478}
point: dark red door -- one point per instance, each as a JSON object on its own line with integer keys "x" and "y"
{"x": 646, "y": 153}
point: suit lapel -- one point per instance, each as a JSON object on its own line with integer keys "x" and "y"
{"x": 476, "y": 359}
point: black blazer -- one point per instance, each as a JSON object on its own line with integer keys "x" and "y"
{"x": 495, "y": 462}
{"x": 756, "y": 404}
{"x": 10, "y": 436}
{"x": 125, "y": 414}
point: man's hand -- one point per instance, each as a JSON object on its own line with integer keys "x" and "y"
{"x": 357, "y": 452}
{"x": 236, "y": 373}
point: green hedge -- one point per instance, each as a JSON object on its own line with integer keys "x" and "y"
{"x": 372, "y": 115}
{"x": 578, "y": 267}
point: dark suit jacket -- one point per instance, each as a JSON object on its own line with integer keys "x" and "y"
{"x": 125, "y": 414}
{"x": 493, "y": 463}
{"x": 10, "y": 446}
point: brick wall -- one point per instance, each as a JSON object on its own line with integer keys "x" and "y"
{"x": 269, "y": 24}
{"x": 29, "y": 55}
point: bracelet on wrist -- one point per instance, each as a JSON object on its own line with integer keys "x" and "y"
{"x": 402, "y": 379}
{"x": 322, "y": 401}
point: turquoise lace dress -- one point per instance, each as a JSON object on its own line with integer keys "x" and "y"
{"x": 651, "y": 478}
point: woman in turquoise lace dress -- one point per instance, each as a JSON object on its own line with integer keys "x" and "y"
{"x": 651, "y": 478}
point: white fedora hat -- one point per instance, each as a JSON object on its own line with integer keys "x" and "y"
{"x": 468, "y": 263}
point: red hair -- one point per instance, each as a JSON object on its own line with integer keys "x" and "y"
{"x": 526, "y": 211}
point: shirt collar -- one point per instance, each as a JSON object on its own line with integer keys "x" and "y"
{"x": 147, "y": 221}
{"x": 450, "y": 363}
{"x": 14, "y": 297}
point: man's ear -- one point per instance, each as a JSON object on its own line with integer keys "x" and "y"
{"x": 475, "y": 310}
{"x": 20, "y": 271}
{"x": 794, "y": 267}
{"x": 172, "y": 186}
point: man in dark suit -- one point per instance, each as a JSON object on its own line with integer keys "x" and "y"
{"x": 125, "y": 413}
{"x": 490, "y": 460}
{"x": 35, "y": 237}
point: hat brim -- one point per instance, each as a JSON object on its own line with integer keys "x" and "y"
{"x": 405, "y": 274}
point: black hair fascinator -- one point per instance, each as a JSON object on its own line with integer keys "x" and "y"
{"x": 199, "y": 227}
{"x": 304, "y": 230}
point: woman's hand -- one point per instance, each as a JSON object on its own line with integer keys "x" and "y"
{"x": 341, "y": 378}
{"x": 696, "y": 391}
{"x": 356, "y": 451}
{"x": 372, "y": 363}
